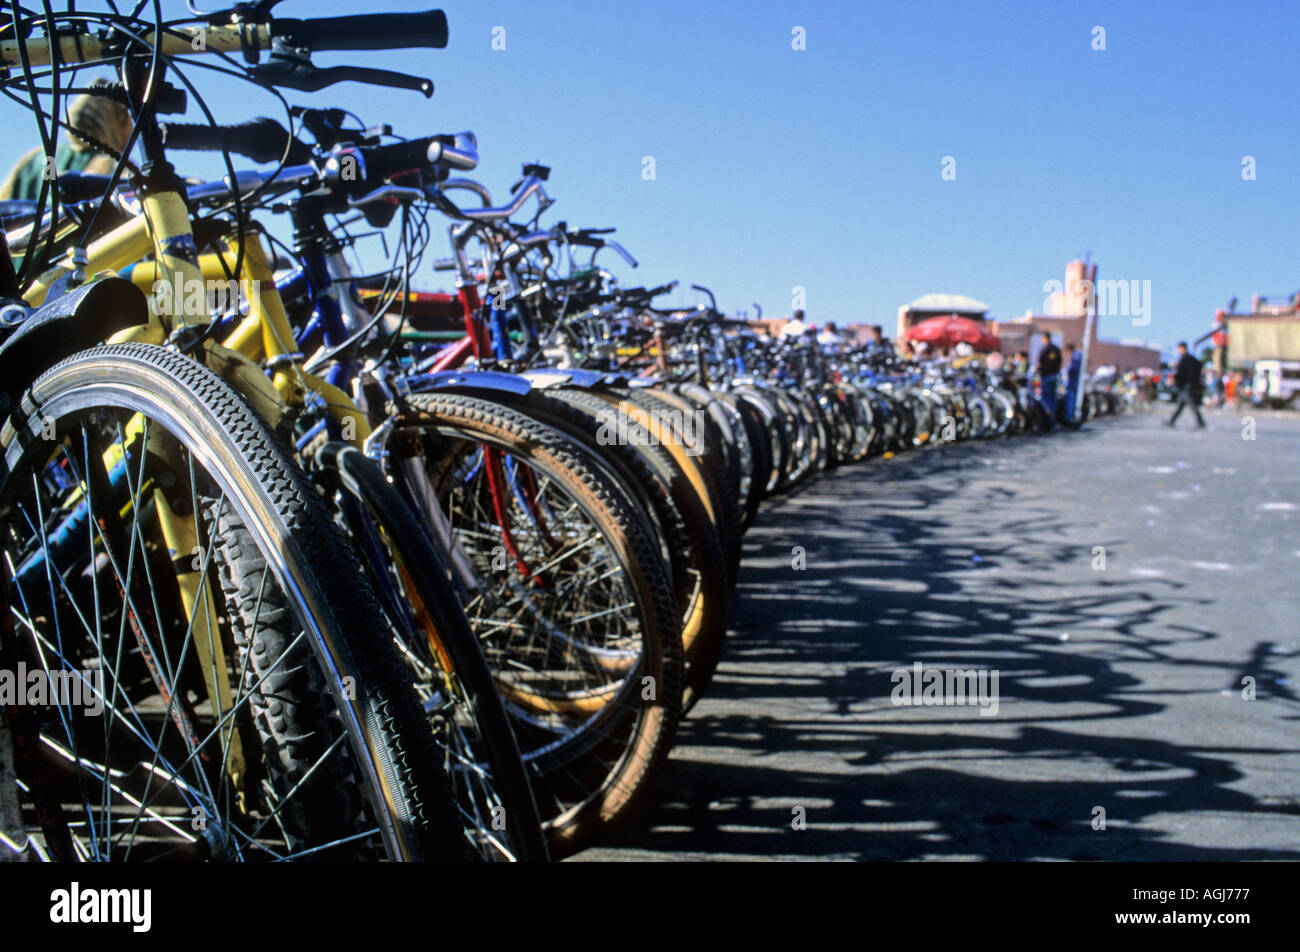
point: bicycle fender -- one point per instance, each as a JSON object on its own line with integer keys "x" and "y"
{"x": 70, "y": 323}
{"x": 469, "y": 382}
{"x": 573, "y": 377}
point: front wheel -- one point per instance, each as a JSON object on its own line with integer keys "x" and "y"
{"x": 213, "y": 683}
{"x": 566, "y": 592}
{"x": 471, "y": 730}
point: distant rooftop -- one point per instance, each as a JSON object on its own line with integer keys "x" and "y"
{"x": 948, "y": 304}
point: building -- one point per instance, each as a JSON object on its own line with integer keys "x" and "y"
{"x": 1271, "y": 331}
{"x": 939, "y": 305}
{"x": 1067, "y": 320}
{"x": 771, "y": 326}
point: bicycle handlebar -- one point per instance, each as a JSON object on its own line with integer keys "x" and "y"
{"x": 287, "y": 40}
{"x": 527, "y": 187}
{"x": 622, "y": 252}
{"x": 372, "y": 164}
{"x": 365, "y": 31}
{"x": 261, "y": 139}
{"x": 460, "y": 154}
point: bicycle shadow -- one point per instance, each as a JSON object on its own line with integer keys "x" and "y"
{"x": 799, "y": 726}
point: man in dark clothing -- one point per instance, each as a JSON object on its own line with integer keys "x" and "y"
{"x": 1187, "y": 378}
{"x": 1049, "y": 371}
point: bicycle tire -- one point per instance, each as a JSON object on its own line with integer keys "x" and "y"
{"x": 287, "y": 522}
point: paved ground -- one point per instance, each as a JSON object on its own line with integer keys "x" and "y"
{"x": 1119, "y": 687}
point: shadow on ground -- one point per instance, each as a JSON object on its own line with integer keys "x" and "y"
{"x": 904, "y": 563}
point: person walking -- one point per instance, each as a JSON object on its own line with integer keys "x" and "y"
{"x": 1231, "y": 381}
{"x": 1049, "y": 373}
{"x": 1073, "y": 373}
{"x": 1187, "y": 378}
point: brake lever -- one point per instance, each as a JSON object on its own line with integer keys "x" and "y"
{"x": 296, "y": 72}
{"x": 621, "y": 251}
{"x": 398, "y": 193}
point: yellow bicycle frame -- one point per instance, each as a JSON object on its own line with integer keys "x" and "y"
{"x": 164, "y": 231}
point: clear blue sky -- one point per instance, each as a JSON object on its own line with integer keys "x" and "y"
{"x": 820, "y": 168}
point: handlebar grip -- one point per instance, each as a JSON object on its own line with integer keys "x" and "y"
{"x": 366, "y": 31}
{"x": 383, "y": 161}
{"x": 461, "y": 153}
{"x": 80, "y": 187}
{"x": 262, "y": 139}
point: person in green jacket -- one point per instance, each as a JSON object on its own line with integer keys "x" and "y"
{"x": 106, "y": 120}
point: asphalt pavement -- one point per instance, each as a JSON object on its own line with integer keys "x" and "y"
{"x": 1136, "y": 590}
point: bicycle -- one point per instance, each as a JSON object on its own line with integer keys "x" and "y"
{"x": 164, "y": 228}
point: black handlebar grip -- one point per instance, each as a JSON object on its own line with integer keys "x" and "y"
{"x": 79, "y": 187}
{"x": 383, "y": 161}
{"x": 261, "y": 139}
{"x": 366, "y": 31}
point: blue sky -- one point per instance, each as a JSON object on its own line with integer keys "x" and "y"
{"x": 821, "y": 168}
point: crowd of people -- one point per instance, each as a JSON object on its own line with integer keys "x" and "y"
{"x": 1194, "y": 384}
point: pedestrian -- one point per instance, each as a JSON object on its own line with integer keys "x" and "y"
{"x": 1187, "y": 378}
{"x": 1231, "y": 381}
{"x": 829, "y": 339}
{"x": 1016, "y": 371}
{"x": 1049, "y": 373}
{"x": 1074, "y": 370}
{"x": 877, "y": 343}
{"x": 1020, "y": 368}
{"x": 794, "y": 327}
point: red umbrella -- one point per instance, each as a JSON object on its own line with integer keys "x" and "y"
{"x": 951, "y": 330}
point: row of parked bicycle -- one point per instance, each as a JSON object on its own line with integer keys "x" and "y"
{"x": 289, "y": 576}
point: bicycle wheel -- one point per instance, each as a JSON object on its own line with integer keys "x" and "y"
{"x": 469, "y": 723}
{"x": 695, "y": 552}
{"x": 214, "y": 684}
{"x": 567, "y": 594}
{"x": 666, "y": 413}
{"x": 756, "y": 455}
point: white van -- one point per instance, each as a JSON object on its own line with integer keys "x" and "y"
{"x": 1276, "y": 382}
